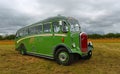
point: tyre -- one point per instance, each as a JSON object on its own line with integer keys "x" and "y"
{"x": 88, "y": 56}
{"x": 63, "y": 57}
{"x": 76, "y": 57}
{"x": 22, "y": 50}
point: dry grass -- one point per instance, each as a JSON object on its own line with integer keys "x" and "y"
{"x": 105, "y": 60}
{"x": 7, "y": 42}
{"x": 107, "y": 40}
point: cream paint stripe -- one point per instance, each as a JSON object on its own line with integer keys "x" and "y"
{"x": 40, "y": 35}
{"x": 60, "y": 34}
{"x": 33, "y": 36}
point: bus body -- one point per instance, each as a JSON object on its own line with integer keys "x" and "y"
{"x": 58, "y": 38}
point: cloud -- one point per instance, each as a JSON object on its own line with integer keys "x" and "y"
{"x": 100, "y": 16}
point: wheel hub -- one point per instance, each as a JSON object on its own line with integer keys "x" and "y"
{"x": 63, "y": 56}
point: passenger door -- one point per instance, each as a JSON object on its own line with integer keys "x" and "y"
{"x": 45, "y": 40}
{"x": 34, "y": 44}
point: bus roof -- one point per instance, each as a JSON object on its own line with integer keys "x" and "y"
{"x": 50, "y": 19}
{"x": 59, "y": 17}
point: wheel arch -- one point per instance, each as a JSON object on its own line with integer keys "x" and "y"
{"x": 20, "y": 45}
{"x": 61, "y": 46}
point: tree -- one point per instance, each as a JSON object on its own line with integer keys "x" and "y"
{"x": 109, "y": 35}
{"x": 1, "y": 37}
{"x": 9, "y": 37}
{"x": 95, "y": 36}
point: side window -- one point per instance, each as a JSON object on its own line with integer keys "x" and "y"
{"x": 56, "y": 27}
{"x": 64, "y": 27}
{"x": 22, "y": 32}
{"x": 35, "y": 29}
{"x": 39, "y": 28}
{"x": 31, "y": 30}
{"x": 47, "y": 28}
{"x": 25, "y": 32}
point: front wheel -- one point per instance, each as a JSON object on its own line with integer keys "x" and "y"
{"x": 63, "y": 57}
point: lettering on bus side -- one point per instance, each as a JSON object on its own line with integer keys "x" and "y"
{"x": 31, "y": 40}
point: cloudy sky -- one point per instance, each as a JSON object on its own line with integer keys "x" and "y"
{"x": 95, "y": 16}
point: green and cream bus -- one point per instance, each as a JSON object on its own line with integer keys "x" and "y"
{"x": 58, "y": 38}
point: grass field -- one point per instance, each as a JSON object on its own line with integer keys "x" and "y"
{"x": 105, "y": 60}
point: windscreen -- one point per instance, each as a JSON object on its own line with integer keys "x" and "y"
{"x": 74, "y": 25}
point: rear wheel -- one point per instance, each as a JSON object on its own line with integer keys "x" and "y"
{"x": 22, "y": 50}
{"x": 63, "y": 57}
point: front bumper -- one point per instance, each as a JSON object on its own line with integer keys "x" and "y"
{"x": 90, "y": 46}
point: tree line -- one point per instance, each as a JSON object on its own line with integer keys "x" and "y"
{"x": 92, "y": 36}
{"x": 7, "y": 37}
{"x": 99, "y": 36}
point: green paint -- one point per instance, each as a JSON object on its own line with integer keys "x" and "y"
{"x": 41, "y": 42}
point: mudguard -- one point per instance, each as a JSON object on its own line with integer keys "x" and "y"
{"x": 62, "y": 45}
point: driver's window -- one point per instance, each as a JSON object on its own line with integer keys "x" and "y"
{"x": 64, "y": 27}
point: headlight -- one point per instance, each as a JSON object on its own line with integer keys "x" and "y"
{"x": 73, "y": 45}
